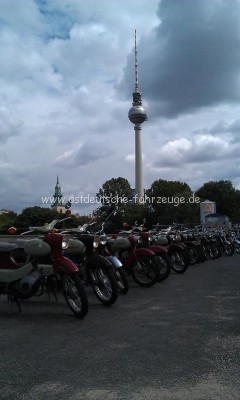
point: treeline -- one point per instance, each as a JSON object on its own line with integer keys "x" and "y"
{"x": 165, "y": 202}
{"x": 174, "y": 201}
{"x": 36, "y": 216}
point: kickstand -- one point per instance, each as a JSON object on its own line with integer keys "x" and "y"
{"x": 14, "y": 299}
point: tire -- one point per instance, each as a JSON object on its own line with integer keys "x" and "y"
{"x": 211, "y": 251}
{"x": 145, "y": 271}
{"x": 164, "y": 265}
{"x": 204, "y": 251}
{"x": 193, "y": 255}
{"x": 122, "y": 281}
{"x": 219, "y": 250}
{"x": 229, "y": 249}
{"x": 75, "y": 294}
{"x": 104, "y": 285}
{"x": 180, "y": 261}
{"x": 237, "y": 247}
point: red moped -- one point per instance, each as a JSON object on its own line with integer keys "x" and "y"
{"x": 139, "y": 262}
{"x": 31, "y": 267}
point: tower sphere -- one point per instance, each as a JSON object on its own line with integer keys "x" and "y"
{"x": 137, "y": 114}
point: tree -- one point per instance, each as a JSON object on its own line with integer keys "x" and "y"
{"x": 6, "y": 221}
{"x": 38, "y": 216}
{"x": 171, "y": 201}
{"x": 224, "y": 195}
{"x": 137, "y": 213}
{"x": 115, "y": 192}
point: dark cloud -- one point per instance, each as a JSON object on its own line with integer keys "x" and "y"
{"x": 88, "y": 153}
{"x": 91, "y": 152}
{"x": 223, "y": 129}
{"x": 191, "y": 60}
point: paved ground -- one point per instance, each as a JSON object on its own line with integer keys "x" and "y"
{"x": 179, "y": 340}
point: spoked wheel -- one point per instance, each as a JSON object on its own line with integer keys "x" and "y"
{"x": 204, "y": 250}
{"x": 237, "y": 246}
{"x": 219, "y": 250}
{"x": 122, "y": 281}
{"x": 193, "y": 255}
{"x": 229, "y": 249}
{"x": 75, "y": 294}
{"x": 180, "y": 261}
{"x": 145, "y": 271}
{"x": 104, "y": 285}
{"x": 211, "y": 251}
{"x": 164, "y": 264}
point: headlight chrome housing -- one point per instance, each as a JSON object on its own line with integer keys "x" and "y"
{"x": 103, "y": 239}
{"x": 96, "y": 241}
{"x": 65, "y": 241}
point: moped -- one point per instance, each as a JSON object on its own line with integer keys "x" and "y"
{"x": 95, "y": 269}
{"x": 177, "y": 251}
{"x": 103, "y": 248}
{"x": 139, "y": 262}
{"x": 161, "y": 252}
{"x": 30, "y": 267}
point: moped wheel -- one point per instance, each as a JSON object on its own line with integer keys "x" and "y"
{"x": 180, "y": 261}
{"x": 104, "y": 285}
{"x": 211, "y": 250}
{"x": 122, "y": 281}
{"x": 145, "y": 271}
{"x": 229, "y": 249}
{"x": 75, "y": 294}
{"x": 164, "y": 264}
{"x": 237, "y": 247}
{"x": 193, "y": 254}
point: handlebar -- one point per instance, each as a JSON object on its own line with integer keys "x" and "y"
{"x": 46, "y": 227}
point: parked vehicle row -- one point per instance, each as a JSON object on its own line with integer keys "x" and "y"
{"x": 69, "y": 261}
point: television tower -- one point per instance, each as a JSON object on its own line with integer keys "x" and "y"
{"x": 137, "y": 115}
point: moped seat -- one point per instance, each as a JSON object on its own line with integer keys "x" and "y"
{"x": 7, "y": 247}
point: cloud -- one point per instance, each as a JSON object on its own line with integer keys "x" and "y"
{"x": 8, "y": 126}
{"x": 200, "y": 149}
{"x": 83, "y": 155}
{"x": 191, "y": 60}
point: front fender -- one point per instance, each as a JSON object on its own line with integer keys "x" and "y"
{"x": 64, "y": 264}
{"x": 144, "y": 252}
{"x": 191, "y": 243}
{"x": 114, "y": 261}
{"x": 173, "y": 247}
{"x": 158, "y": 249}
{"x": 227, "y": 242}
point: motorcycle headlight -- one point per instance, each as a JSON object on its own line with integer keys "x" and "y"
{"x": 96, "y": 241}
{"x": 66, "y": 240}
{"x": 150, "y": 237}
{"x": 103, "y": 239}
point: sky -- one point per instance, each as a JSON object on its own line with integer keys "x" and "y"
{"x": 66, "y": 83}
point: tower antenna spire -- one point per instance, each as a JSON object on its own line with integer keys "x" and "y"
{"x": 136, "y": 64}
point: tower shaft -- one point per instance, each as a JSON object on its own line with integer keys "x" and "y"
{"x": 139, "y": 192}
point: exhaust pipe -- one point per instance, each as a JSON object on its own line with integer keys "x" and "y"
{"x": 27, "y": 282}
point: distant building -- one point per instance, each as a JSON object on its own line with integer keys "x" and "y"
{"x": 58, "y": 198}
{"x": 5, "y": 211}
{"x": 206, "y": 207}
{"x": 217, "y": 221}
